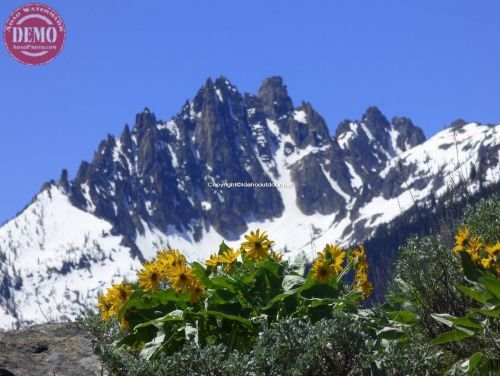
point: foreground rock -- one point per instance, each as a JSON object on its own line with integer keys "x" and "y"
{"x": 50, "y": 349}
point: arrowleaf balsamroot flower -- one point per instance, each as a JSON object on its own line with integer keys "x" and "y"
{"x": 338, "y": 256}
{"x": 474, "y": 248}
{"x": 361, "y": 282}
{"x": 104, "y": 305}
{"x": 197, "y": 291}
{"x": 277, "y": 256}
{"x": 171, "y": 257}
{"x": 229, "y": 257}
{"x": 493, "y": 249}
{"x": 257, "y": 245}
{"x": 180, "y": 277}
{"x": 118, "y": 295}
{"x": 461, "y": 239}
{"x": 124, "y": 324}
{"x": 322, "y": 270}
{"x": 212, "y": 261}
{"x": 150, "y": 276}
{"x": 486, "y": 262}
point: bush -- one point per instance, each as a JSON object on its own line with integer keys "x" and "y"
{"x": 457, "y": 289}
{"x": 296, "y": 347}
{"x": 345, "y": 344}
{"x": 425, "y": 277}
{"x": 230, "y": 298}
{"x": 248, "y": 313}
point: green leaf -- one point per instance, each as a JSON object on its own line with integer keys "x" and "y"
{"x": 470, "y": 270}
{"x": 403, "y": 316}
{"x": 443, "y": 318}
{"x": 452, "y": 321}
{"x": 391, "y": 333}
{"x": 466, "y": 322}
{"x": 298, "y": 265}
{"x": 452, "y": 336}
{"x": 240, "y": 319}
{"x": 221, "y": 296}
{"x": 318, "y": 291}
{"x": 176, "y": 315}
{"x": 141, "y": 300}
{"x": 492, "y": 284}
{"x": 474, "y": 361}
{"x": 474, "y": 294}
{"x": 224, "y": 283}
{"x": 222, "y": 248}
{"x": 201, "y": 273}
{"x": 151, "y": 348}
{"x": 279, "y": 298}
{"x": 291, "y": 281}
{"x": 487, "y": 312}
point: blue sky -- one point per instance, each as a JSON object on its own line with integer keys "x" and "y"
{"x": 433, "y": 61}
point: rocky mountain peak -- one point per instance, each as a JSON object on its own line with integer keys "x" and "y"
{"x": 308, "y": 127}
{"x": 274, "y": 95}
{"x": 63, "y": 180}
{"x": 145, "y": 119}
{"x": 375, "y": 118}
{"x": 409, "y": 135}
{"x": 125, "y": 138}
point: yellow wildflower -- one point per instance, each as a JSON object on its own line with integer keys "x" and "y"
{"x": 117, "y": 295}
{"x": 358, "y": 257}
{"x": 361, "y": 282}
{"x": 196, "y": 291}
{"x": 474, "y": 248}
{"x": 486, "y": 262}
{"x": 321, "y": 270}
{"x": 278, "y": 256}
{"x": 493, "y": 249}
{"x": 124, "y": 324}
{"x": 229, "y": 256}
{"x": 338, "y": 256}
{"x": 104, "y": 305}
{"x": 212, "y": 261}
{"x": 180, "y": 277}
{"x": 461, "y": 239}
{"x": 150, "y": 276}
{"x": 171, "y": 257}
{"x": 257, "y": 245}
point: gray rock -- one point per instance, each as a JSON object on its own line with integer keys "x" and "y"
{"x": 61, "y": 349}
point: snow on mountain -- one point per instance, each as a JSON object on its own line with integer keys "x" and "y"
{"x": 61, "y": 257}
{"x": 158, "y": 185}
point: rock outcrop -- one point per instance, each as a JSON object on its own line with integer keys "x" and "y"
{"x": 61, "y": 349}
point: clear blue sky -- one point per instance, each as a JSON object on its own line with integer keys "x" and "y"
{"x": 433, "y": 61}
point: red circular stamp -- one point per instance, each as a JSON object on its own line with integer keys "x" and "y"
{"x": 34, "y": 34}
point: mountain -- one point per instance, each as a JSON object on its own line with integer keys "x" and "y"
{"x": 172, "y": 184}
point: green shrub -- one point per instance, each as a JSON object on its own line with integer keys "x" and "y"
{"x": 262, "y": 316}
{"x": 425, "y": 278}
{"x": 484, "y": 220}
{"x": 296, "y": 347}
{"x": 230, "y": 298}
